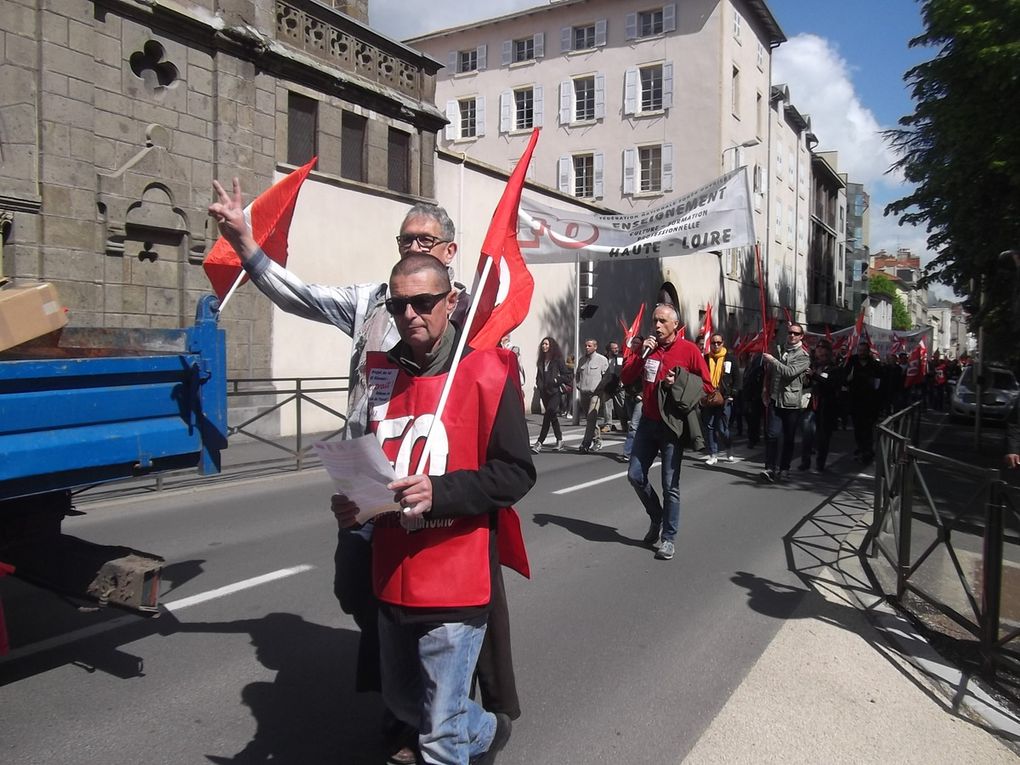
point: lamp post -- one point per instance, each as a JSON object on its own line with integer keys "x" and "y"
{"x": 745, "y": 145}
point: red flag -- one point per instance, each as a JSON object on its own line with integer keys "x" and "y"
{"x": 828, "y": 333}
{"x": 855, "y": 336}
{"x": 501, "y": 302}
{"x": 682, "y": 332}
{"x": 269, "y": 216}
{"x": 706, "y": 330}
{"x": 789, "y": 316}
{"x": 917, "y": 365}
{"x": 635, "y": 327}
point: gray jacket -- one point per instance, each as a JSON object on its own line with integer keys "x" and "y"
{"x": 787, "y": 374}
{"x": 679, "y": 405}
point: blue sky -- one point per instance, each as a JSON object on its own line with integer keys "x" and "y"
{"x": 844, "y": 63}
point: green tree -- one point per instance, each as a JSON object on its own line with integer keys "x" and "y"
{"x": 880, "y": 284}
{"x": 961, "y": 150}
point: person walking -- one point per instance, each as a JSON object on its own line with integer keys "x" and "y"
{"x": 823, "y": 380}
{"x": 663, "y": 354}
{"x": 864, "y": 379}
{"x": 784, "y": 383}
{"x": 752, "y": 394}
{"x": 552, "y": 374}
{"x": 716, "y": 418}
{"x": 590, "y": 372}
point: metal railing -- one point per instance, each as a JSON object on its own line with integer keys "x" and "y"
{"x": 968, "y": 501}
{"x": 296, "y": 391}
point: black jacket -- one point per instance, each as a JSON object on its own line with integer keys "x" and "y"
{"x": 548, "y": 381}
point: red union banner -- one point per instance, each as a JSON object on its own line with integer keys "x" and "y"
{"x": 714, "y": 217}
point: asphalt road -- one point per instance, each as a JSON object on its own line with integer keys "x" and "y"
{"x": 620, "y": 658}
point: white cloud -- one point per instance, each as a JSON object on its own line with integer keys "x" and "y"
{"x": 395, "y": 19}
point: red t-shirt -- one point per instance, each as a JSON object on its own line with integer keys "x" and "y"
{"x": 682, "y": 353}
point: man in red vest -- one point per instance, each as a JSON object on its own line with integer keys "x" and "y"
{"x": 435, "y": 565}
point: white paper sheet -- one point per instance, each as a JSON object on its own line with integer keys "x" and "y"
{"x": 360, "y": 471}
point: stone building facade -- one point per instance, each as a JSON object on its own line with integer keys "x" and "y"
{"x": 116, "y": 115}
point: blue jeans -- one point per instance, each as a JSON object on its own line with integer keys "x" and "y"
{"x": 654, "y": 439}
{"x": 717, "y": 426}
{"x": 426, "y": 681}
{"x": 779, "y": 435}
{"x": 635, "y": 418}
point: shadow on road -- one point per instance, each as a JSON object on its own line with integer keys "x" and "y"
{"x": 593, "y": 532}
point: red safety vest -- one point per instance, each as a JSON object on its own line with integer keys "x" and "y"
{"x": 446, "y": 564}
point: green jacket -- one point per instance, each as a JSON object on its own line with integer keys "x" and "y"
{"x": 680, "y": 407}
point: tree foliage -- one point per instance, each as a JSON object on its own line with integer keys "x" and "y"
{"x": 961, "y": 150}
{"x": 880, "y": 284}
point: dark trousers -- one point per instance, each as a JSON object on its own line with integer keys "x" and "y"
{"x": 816, "y": 434}
{"x": 779, "y": 435}
{"x": 864, "y": 433}
{"x": 753, "y": 410}
{"x": 550, "y": 419}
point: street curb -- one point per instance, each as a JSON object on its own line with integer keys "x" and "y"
{"x": 963, "y": 693}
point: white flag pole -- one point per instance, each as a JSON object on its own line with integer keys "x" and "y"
{"x": 458, "y": 353}
{"x": 232, "y": 290}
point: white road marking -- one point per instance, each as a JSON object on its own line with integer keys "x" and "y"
{"x": 597, "y": 481}
{"x": 128, "y": 619}
{"x": 230, "y": 589}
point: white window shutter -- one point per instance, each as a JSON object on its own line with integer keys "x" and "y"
{"x": 667, "y": 167}
{"x": 629, "y": 160}
{"x": 482, "y": 52}
{"x": 453, "y": 115}
{"x": 539, "y": 44}
{"x": 600, "y": 33}
{"x": 630, "y": 26}
{"x": 566, "y": 39}
{"x": 564, "y": 175}
{"x": 505, "y": 105}
{"x": 566, "y": 102}
{"x": 539, "y": 108}
{"x": 600, "y": 96}
{"x": 508, "y": 52}
{"x": 669, "y": 17}
{"x": 480, "y": 116}
{"x": 630, "y": 82}
{"x": 451, "y": 61}
{"x": 600, "y": 165}
{"x": 667, "y": 85}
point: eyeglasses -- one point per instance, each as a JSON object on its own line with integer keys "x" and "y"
{"x": 425, "y": 241}
{"x": 716, "y": 342}
{"x": 420, "y": 304}
{"x": 796, "y": 334}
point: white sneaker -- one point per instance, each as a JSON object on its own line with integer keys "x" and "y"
{"x": 712, "y": 459}
{"x": 729, "y": 457}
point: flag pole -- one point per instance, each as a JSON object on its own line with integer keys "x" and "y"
{"x": 457, "y": 354}
{"x": 231, "y": 291}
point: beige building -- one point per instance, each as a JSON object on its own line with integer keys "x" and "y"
{"x": 636, "y": 103}
{"x": 826, "y": 264}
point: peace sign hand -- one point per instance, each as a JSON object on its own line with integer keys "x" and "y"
{"x": 228, "y": 212}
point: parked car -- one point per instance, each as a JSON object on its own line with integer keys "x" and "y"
{"x": 1000, "y": 394}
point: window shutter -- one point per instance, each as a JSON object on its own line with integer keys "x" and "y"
{"x": 630, "y": 26}
{"x": 566, "y": 39}
{"x": 479, "y": 116}
{"x": 669, "y": 18}
{"x": 508, "y": 52}
{"x": 566, "y": 102}
{"x": 505, "y": 105}
{"x": 539, "y": 44}
{"x": 667, "y": 85}
{"x": 453, "y": 115}
{"x": 629, "y": 159}
{"x": 667, "y": 167}
{"x": 600, "y": 33}
{"x": 482, "y": 52}
{"x": 451, "y": 61}
{"x": 600, "y": 96}
{"x": 539, "y": 110}
{"x": 630, "y": 81}
{"x": 599, "y": 163}
{"x": 564, "y": 175}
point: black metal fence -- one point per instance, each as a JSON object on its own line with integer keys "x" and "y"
{"x": 942, "y": 526}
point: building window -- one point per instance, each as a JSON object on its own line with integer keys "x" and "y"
{"x": 650, "y": 159}
{"x": 735, "y": 92}
{"x": 584, "y": 175}
{"x": 655, "y": 21}
{"x": 650, "y": 23}
{"x": 352, "y": 146}
{"x": 302, "y": 128}
{"x": 468, "y": 117}
{"x": 398, "y": 161}
{"x": 759, "y": 115}
{"x": 761, "y": 57}
{"x": 467, "y": 61}
{"x": 524, "y": 49}
{"x": 524, "y": 108}
{"x": 736, "y": 26}
{"x": 584, "y": 37}
{"x": 584, "y": 98}
{"x": 648, "y": 88}
{"x": 758, "y": 182}
{"x": 651, "y": 88}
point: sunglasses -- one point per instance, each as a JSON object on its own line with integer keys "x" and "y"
{"x": 425, "y": 241}
{"x": 716, "y": 342}
{"x": 796, "y": 334}
{"x": 420, "y": 304}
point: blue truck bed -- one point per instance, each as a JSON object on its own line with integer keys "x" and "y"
{"x": 108, "y": 404}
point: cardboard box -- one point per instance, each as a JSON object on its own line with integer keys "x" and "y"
{"x": 28, "y": 312}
